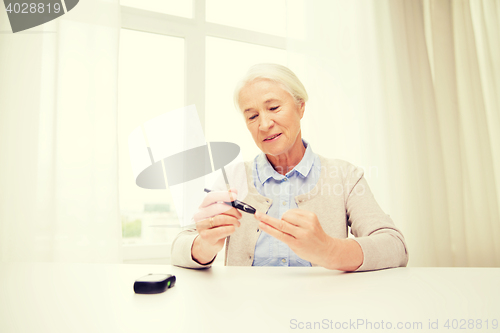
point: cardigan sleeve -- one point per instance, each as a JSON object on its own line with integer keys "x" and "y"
{"x": 181, "y": 250}
{"x": 382, "y": 243}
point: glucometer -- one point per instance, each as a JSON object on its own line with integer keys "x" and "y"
{"x": 154, "y": 283}
{"x": 238, "y": 205}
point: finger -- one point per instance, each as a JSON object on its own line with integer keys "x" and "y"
{"x": 216, "y": 209}
{"x": 216, "y": 234}
{"x": 280, "y": 225}
{"x": 266, "y": 218}
{"x": 279, "y": 235}
{"x": 297, "y": 217}
{"x": 218, "y": 196}
{"x": 216, "y": 222}
{"x": 225, "y": 220}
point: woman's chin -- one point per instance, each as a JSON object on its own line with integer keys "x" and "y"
{"x": 276, "y": 147}
{"x": 273, "y": 151}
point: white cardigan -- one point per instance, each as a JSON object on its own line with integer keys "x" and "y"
{"x": 340, "y": 199}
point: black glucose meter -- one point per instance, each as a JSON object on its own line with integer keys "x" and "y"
{"x": 154, "y": 283}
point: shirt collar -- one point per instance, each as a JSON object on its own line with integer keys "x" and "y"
{"x": 265, "y": 170}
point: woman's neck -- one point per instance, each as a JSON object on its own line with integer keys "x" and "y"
{"x": 287, "y": 161}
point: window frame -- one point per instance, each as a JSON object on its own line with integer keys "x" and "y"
{"x": 194, "y": 32}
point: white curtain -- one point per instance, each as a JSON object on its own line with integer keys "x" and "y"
{"x": 410, "y": 90}
{"x": 58, "y": 138}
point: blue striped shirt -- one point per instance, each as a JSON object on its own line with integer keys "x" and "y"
{"x": 282, "y": 190}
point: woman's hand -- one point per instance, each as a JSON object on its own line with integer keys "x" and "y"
{"x": 302, "y": 232}
{"x": 214, "y": 222}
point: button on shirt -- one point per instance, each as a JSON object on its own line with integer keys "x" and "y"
{"x": 282, "y": 189}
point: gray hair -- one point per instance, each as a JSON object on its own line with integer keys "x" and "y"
{"x": 276, "y": 73}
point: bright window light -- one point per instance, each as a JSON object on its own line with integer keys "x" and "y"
{"x": 257, "y": 15}
{"x": 151, "y": 82}
{"x": 182, "y": 8}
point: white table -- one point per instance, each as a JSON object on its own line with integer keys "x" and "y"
{"x": 58, "y": 297}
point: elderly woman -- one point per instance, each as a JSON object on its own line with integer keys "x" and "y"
{"x": 305, "y": 202}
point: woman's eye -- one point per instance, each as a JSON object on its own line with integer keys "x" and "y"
{"x": 253, "y": 117}
{"x": 274, "y": 108}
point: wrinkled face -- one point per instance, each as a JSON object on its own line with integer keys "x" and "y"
{"x": 272, "y": 116}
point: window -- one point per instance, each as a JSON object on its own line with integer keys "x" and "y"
{"x": 257, "y": 15}
{"x": 172, "y": 7}
{"x": 173, "y": 56}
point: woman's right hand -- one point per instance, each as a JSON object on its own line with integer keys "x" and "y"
{"x": 214, "y": 222}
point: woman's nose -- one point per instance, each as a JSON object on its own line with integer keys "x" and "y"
{"x": 266, "y": 122}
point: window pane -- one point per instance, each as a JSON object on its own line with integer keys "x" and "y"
{"x": 182, "y": 8}
{"x": 151, "y": 82}
{"x": 257, "y": 15}
{"x": 227, "y": 61}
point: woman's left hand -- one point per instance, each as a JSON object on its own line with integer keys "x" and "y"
{"x": 302, "y": 232}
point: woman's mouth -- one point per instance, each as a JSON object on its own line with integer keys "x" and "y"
{"x": 273, "y": 137}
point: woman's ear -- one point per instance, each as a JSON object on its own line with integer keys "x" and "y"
{"x": 302, "y": 107}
